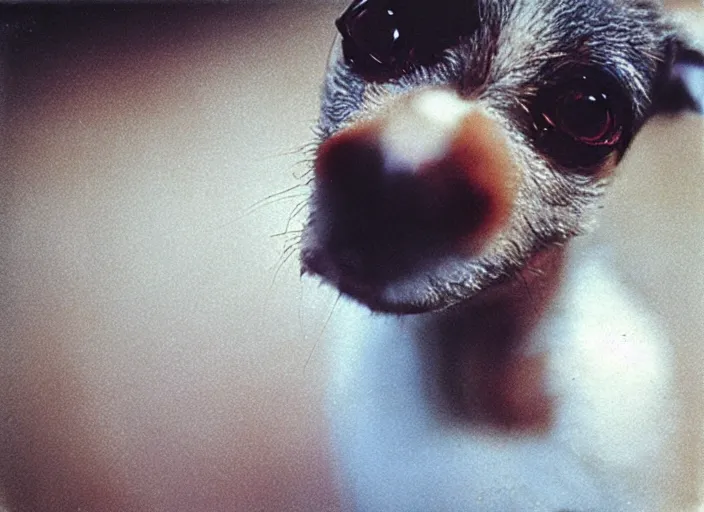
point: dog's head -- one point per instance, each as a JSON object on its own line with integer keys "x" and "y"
{"x": 462, "y": 138}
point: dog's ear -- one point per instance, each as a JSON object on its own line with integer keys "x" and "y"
{"x": 681, "y": 83}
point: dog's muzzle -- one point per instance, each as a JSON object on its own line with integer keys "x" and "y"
{"x": 431, "y": 176}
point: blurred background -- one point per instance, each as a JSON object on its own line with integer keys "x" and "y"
{"x": 158, "y": 350}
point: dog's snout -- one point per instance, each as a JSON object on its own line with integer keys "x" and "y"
{"x": 431, "y": 176}
{"x": 434, "y": 167}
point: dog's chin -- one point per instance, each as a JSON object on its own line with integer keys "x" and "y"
{"x": 423, "y": 290}
{"x": 444, "y": 283}
{"x": 400, "y": 298}
{"x": 390, "y": 298}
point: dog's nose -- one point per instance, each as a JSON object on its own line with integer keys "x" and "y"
{"x": 434, "y": 170}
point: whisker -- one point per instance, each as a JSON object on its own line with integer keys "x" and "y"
{"x": 293, "y": 243}
{"x": 287, "y": 232}
{"x": 305, "y": 147}
{"x": 322, "y": 331}
{"x": 283, "y": 195}
{"x": 294, "y": 213}
{"x": 283, "y": 259}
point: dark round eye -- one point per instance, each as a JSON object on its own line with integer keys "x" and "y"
{"x": 587, "y": 116}
{"x": 372, "y": 31}
{"x": 381, "y": 38}
{"x": 582, "y": 117}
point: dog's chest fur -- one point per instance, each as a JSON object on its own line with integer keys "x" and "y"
{"x": 607, "y": 374}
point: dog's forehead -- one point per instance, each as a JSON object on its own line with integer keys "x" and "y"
{"x": 561, "y": 18}
{"x": 525, "y": 41}
{"x": 600, "y": 31}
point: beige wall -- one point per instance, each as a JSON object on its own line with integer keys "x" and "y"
{"x": 159, "y": 351}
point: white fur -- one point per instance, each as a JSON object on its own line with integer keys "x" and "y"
{"x": 609, "y": 369}
{"x": 422, "y": 133}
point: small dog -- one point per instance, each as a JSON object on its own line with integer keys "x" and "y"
{"x": 463, "y": 143}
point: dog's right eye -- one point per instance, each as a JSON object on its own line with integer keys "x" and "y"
{"x": 383, "y": 38}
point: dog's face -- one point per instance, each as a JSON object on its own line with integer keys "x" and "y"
{"x": 460, "y": 139}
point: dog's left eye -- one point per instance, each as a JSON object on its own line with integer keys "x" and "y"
{"x": 588, "y": 117}
{"x": 585, "y": 110}
{"x": 582, "y": 119}
{"x": 381, "y": 38}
